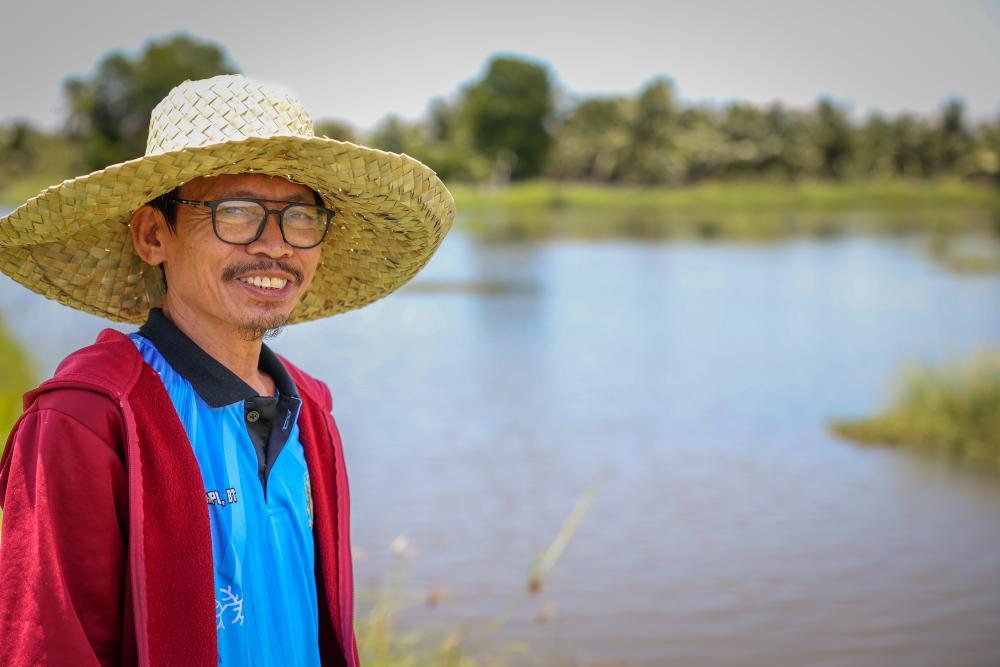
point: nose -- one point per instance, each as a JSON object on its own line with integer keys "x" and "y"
{"x": 271, "y": 242}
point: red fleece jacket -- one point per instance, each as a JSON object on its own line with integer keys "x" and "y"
{"x": 106, "y": 554}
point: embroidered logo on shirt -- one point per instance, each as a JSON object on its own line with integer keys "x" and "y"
{"x": 215, "y": 498}
{"x": 232, "y": 602}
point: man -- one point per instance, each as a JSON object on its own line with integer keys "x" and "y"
{"x": 177, "y": 496}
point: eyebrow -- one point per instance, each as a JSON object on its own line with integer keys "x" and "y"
{"x": 247, "y": 194}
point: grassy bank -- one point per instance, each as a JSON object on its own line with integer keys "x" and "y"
{"x": 750, "y": 210}
{"x": 952, "y": 411}
{"x": 17, "y": 377}
{"x": 20, "y": 190}
{"x": 54, "y": 160}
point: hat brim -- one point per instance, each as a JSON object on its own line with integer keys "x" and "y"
{"x": 72, "y": 242}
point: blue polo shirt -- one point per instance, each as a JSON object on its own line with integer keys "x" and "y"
{"x": 258, "y": 496}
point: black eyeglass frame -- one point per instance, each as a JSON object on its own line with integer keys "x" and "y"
{"x": 213, "y": 204}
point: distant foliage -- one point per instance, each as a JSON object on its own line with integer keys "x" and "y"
{"x": 507, "y": 112}
{"x": 652, "y": 139}
{"x": 395, "y": 135}
{"x": 592, "y": 142}
{"x": 335, "y": 129}
{"x": 512, "y": 123}
{"x": 109, "y": 112}
{"x": 20, "y": 144}
{"x": 26, "y": 151}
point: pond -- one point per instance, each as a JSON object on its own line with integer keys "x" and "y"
{"x": 686, "y": 385}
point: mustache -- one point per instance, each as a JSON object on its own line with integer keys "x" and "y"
{"x": 231, "y": 272}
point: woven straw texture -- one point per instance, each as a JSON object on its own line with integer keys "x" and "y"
{"x": 72, "y": 243}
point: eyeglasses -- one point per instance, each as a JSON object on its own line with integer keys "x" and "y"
{"x": 242, "y": 221}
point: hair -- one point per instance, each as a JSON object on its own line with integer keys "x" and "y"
{"x": 165, "y": 205}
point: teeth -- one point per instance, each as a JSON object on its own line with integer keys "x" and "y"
{"x": 265, "y": 282}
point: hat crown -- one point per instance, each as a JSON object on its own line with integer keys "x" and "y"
{"x": 223, "y": 108}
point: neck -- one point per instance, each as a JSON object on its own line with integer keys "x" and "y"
{"x": 224, "y": 344}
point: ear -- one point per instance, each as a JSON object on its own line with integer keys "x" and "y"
{"x": 149, "y": 231}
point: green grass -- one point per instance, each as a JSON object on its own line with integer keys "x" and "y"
{"x": 17, "y": 377}
{"x": 383, "y": 643}
{"x": 894, "y": 194}
{"x": 22, "y": 189}
{"x": 952, "y": 410}
{"x": 740, "y": 211}
{"x": 745, "y": 210}
{"x": 56, "y": 160}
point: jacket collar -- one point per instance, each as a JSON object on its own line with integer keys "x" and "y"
{"x": 216, "y": 385}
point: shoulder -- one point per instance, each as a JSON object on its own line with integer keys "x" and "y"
{"x": 68, "y": 409}
{"x": 111, "y": 364}
{"x": 309, "y": 387}
{"x": 88, "y": 385}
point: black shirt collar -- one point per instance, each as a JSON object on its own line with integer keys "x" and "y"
{"x": 216, "y": 384}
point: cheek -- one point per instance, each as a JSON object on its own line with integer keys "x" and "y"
{"x": 311, "y": 263}
{"x": 197, "y": 262}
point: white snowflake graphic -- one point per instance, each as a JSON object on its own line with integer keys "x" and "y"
{"x": 232, "y": 602}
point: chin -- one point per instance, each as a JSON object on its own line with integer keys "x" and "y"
{"x": 262, "y": 327}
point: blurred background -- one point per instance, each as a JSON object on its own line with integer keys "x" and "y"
{"x": 707, "y": 372}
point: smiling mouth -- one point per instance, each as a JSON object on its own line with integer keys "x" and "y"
{"x": 265, "y": 278}
{"x": 264, "y": 282}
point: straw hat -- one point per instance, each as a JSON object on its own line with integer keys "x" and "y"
{"x": 71, "y": 242}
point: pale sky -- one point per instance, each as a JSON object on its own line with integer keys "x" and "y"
{"x": 362, "y": 60}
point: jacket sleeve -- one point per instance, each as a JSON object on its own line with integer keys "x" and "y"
{"x": 63, "y": 487}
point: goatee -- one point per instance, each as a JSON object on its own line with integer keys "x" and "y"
{"x": 264, "y": 328}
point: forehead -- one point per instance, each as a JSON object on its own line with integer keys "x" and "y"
{"x": 258, "y": 186}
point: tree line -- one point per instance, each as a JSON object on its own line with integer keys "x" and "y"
{"x": 513, "y": 123}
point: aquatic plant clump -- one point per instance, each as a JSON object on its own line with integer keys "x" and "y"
{"x": 950, "y": 410}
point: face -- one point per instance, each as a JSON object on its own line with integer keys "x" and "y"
{"x": 248, "y": 288}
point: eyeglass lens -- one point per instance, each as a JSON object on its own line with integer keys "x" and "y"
{"x": 238, "y": 221}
